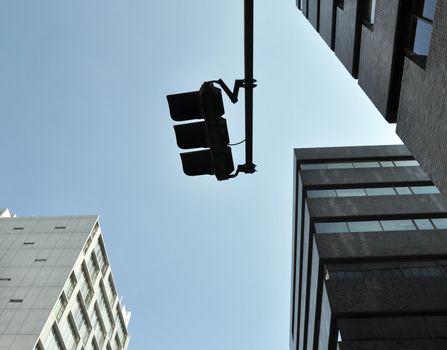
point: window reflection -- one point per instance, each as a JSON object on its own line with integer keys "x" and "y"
{"x": 382, "y": 225}
{"x": 379, "y": 191}
{"x": 358, "y": 165}
{"x": 419, "y": 19}
{"x": 386, "y": 270}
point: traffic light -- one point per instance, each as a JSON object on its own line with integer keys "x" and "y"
{"x": 211, "y": 133}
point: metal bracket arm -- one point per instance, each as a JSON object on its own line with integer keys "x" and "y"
{"x": 238, "y": 83}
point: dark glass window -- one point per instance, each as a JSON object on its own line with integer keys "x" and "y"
{"x": 429, "y": 9}
{"x": 385, "y": 191}
{"x": 331, "y": 227}
{"x": 403, "y": 190}
{"x": 339, "y": 165}
{"x": 420, "y": 16}
{"x": 351, "y": 192}
{"x": 364, "y": 226}
{"x": 321, "y": 194}
{"x": 423, "y": 224}
{"x": 440, "y": 223}
{"x": 370, "y": 11}
{"x": 398, "y": 225}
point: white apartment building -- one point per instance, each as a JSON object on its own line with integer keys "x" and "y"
{"x": 56, "y": 286}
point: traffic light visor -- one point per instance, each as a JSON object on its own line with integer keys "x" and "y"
{"x": 197, "y": 163}
{"x": 184, "y": 106}
{"x": 223, "y": 163}
{"x": 191, "y": 135}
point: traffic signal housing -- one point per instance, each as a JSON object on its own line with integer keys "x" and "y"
{"x": 211, "y": 133}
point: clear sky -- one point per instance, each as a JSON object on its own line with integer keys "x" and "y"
{"x": 85, "y": 129}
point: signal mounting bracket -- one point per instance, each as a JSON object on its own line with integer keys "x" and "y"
{"x": 238, "y": 83}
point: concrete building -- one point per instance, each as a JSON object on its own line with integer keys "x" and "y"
{"x": 397, "y": 50}
{"x": 56, "y": 286}
{"x": 369, "y": 268}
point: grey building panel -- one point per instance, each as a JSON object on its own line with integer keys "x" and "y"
{"x": 378, "y": 206}
{"x": 312, "y": 14}
{"x": 382, "y": 245}
{"x": 326, "y": 22}
{"x": 377, "y": 54}
{"x": 344, "y": 177}
{"x": 360, "y": 152}
{"x": 422, "y": 114}
{"x": 345, "y": 36}
{"x": 387, "y": 296}
{"x": 403, "y": 344}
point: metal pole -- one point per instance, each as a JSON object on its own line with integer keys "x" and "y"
{"x": 248, "y": 58}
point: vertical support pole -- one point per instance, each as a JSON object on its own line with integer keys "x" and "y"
{"x": 248, "y": 63}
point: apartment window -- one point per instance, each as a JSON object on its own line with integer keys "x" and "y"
{"x": 59, "y": 309}
{"x": 105, "y": 310}
{"x": 99, "y": 251}
{"x": 69, "y": 334}
{"x": 88, "y": 243}
{"x": 60, "y": 227}
{"x": 18, "y": 228}
{"x": 118, "y": 344}
{"x": 5, "y": 279}
{"x": 111, "y": 289}
{"x": 15, "y": 300}
{"x": 81, "y": 320}
{"x": 70, "y": 286}
{"x": 98, "y": 327}
{"x": 40, "y": 260}
{"x": 53, "y": 342}
{"x": 121, "y": 329}
{"x": 84, "y": 286}
{"x": 28, "y": 243}
{"x": 92, "y": 267}
{"x": 94, "y": 345}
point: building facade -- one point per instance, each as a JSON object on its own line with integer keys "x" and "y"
{"x": 56, "y": 287}
{"x": 397, "y": 50}
{"x": 369, "y": 252}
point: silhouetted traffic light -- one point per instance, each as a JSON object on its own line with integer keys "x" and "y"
{"x": 211, "y": 133}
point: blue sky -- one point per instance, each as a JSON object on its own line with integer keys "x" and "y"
{"x": 85, "y": 129}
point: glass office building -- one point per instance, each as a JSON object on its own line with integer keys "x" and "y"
{"x": 397, "y": 50}
{"x": 369, "y": 268}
